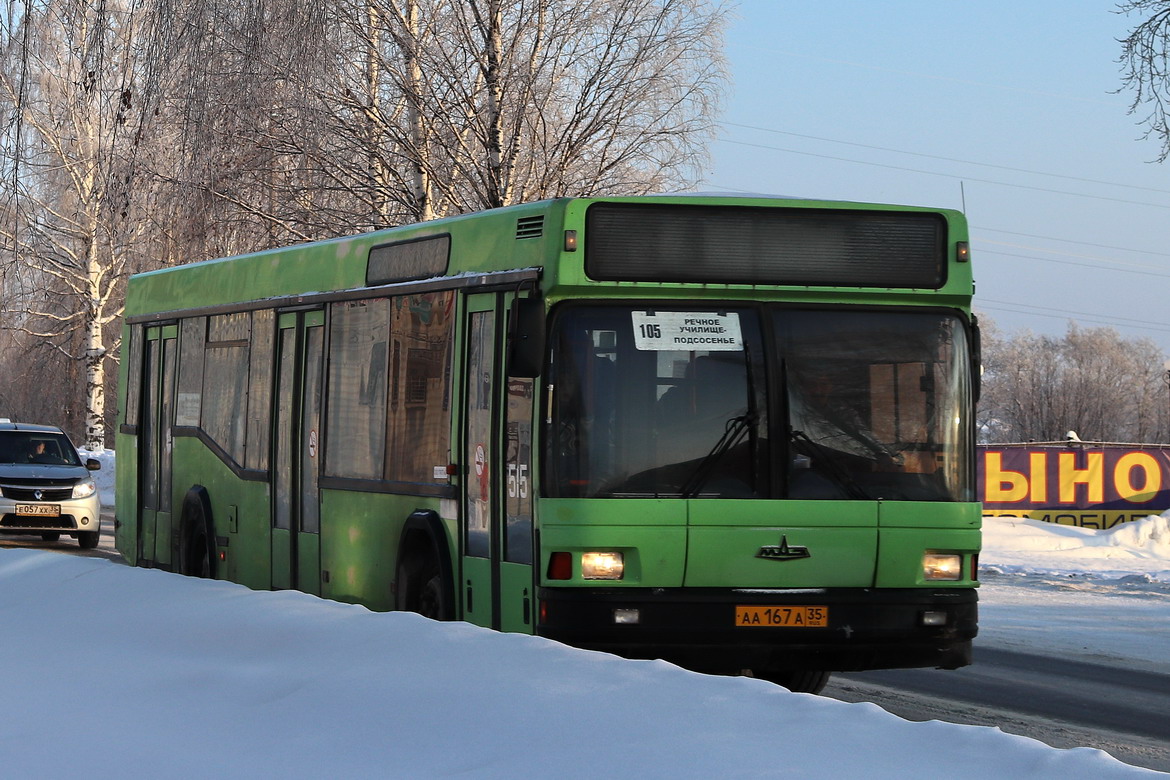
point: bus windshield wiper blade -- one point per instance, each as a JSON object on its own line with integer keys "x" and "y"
{"x": 733, "y": 433}
{"x": 826, "y": 462}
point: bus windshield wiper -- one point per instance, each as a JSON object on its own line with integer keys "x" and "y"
{"x": 828, "y": 463}
{"x": 733, "y": 433}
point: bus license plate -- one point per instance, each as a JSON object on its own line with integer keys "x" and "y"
{"x": 782, "y": 617}
{"x": 40, "y": 510}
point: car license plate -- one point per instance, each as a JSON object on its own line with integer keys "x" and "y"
{"x": 782, "y": 617}
{"x": 40, "y": 510}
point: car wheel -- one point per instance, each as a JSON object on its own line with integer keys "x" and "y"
{"x": 87, "y": 540}
{"x": 51, "y": 536}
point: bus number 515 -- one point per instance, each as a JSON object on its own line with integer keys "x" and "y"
{"x": 517, "y": 480}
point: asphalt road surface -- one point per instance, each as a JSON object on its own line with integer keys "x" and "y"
{"x": 1063, "y": 703}
{"x": 68, "y": 545}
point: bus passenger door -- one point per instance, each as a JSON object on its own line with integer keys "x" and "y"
{"x": 497, "y": 582}
{"x": 296, "y": 516}
{"x": 154, "y": 448}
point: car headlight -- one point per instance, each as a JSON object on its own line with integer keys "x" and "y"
{"x": 942, "y": 566}
{"x": 602, "y": 566}
{"x": 84, "y": 489}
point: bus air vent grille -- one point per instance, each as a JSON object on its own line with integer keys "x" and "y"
{"x": 530, "y": 227}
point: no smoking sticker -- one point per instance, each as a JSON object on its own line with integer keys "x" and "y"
{"x": 480, "y": 460}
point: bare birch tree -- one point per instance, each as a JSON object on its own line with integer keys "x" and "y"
{"x": 412, "y": 109}
{"x": 68, "y": 228}
{"x": 527, "y": 99}
{"x": 1145, "y": 67}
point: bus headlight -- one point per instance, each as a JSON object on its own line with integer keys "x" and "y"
{"x": 942, "y": 566}
{"x": 602, "y": 566}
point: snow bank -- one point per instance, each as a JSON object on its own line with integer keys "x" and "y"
{"x": 105, "y": 477}
{"x": 1019, "y": 546}
{"x": 197, "y": 677}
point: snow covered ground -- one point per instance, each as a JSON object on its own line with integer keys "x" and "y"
{"x": 1100, "y": 595}
{"x": 116, "y": 672}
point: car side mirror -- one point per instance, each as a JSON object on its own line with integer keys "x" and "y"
{"x": 93, "y": 464}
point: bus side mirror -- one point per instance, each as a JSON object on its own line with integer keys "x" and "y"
{"x": 526, "y": 337}
{"x": 976, "y": 359}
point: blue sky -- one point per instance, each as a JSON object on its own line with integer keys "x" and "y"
{"x": 1006, "y": 107}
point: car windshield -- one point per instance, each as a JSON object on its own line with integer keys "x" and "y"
{"x": 758, "y": 402}
{"x": 45, "y": 448}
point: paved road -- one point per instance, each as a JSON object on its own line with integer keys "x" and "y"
{"x": 68, "y": 545}
{"x": 1063, "y": 703}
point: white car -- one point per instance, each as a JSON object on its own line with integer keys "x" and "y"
{"x": 45, "y": 487}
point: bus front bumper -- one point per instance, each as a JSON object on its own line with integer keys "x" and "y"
{"x": 720, "y": 630}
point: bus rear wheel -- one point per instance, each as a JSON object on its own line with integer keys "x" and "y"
{"x": 796, "y": 680}
{"x": 195, "y": 535}
{"x": 197, "y": 562}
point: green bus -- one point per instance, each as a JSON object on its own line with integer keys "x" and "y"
{"x": 735, "y": 433}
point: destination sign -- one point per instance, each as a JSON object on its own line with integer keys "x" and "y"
{"x": 660, "y": 331}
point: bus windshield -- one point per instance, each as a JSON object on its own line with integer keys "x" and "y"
{"x": 831, "y": 404}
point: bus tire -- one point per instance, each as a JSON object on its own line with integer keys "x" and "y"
{"x": 420, "y": 588}
{"x": 430, "y": 600}
{"x": 796, "y": 680}
{"x": 196, "y": 556}
{"x": 423, "y": 581}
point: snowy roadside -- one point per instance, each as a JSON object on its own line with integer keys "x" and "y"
{"x": 1101, "y": 596}
{"x": 205, "y": 677}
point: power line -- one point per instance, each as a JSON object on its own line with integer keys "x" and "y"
{"x": 1070, "y": 241}
{"x": 1067, "y": 314}
{"x": 1106, "y": 265}
{"x": 946, "y": 159}
{"x": 1142, "y": 321}
{"x": 948, "y": 175}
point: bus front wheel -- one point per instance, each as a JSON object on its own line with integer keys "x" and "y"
{"x": 421, "y": 589}
{"x": 430, "y": 593}
{"x": 796, "y": 680}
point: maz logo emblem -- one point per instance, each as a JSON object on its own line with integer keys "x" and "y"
{"x": 783, "y": 551}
